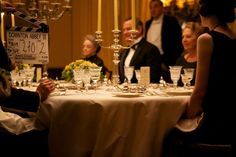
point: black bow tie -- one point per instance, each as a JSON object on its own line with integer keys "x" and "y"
{"x": 135, "y": 46}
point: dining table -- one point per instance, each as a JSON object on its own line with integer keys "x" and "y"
{"x": 109, "y": 123}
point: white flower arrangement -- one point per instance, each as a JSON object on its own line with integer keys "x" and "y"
{"x": 67, "y": 73}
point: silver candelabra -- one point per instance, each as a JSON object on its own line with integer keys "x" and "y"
{"x": 116, "y": 47}
{"x": 44, "y": 10}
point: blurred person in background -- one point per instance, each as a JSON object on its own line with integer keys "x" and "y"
{"x": 164, "y": 32}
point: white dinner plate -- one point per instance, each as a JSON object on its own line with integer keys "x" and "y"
{"x": 127, "y": 95}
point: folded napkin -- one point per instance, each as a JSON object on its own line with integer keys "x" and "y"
{"x": 188, "y": 125}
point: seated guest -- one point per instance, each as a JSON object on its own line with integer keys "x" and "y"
{"x": 188, "y": 59}
{"x": 90, "y": 50}
{"x": 142, "y": 53}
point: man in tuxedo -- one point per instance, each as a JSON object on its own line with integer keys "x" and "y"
{"x": 165, "y": 32}
{"x": 142, "y": 53}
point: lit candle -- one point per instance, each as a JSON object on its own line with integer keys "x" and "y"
{"x": 13, "y": 20}
{"x": 99, "y": 15}
{"x": 2, "y": 28}
{"x": 133, "y": 15}
{"x": 115, "y": 15}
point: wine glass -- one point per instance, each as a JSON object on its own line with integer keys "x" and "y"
{"x": 78, "y": 74}
{"x": 86, "y": 77}
{"x": 21, "y": 79}
{"x": 15, "y": 77}
{"x": 184, "y": 79}
{"x": 129, "y": 70}
{"x": 189, "y": 74}
{"x": 29, "y": 75}
{"x": 95, "y": 73}
{"x": 175, "y": 74}
{"x": 137, "y": 74}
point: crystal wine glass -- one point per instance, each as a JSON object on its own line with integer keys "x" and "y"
{"x": 184, "y": 79}
{"x": 137, "y": 74}
{"x": 78, "y": 74}
{"x": 129, "y": 70}
{"x": 189, "y": 74}
{"x": 86, "y": 77}
{"x": 95, "y": 73}
{"x": 175, "y": 74}
{"x": 29, "y": 75}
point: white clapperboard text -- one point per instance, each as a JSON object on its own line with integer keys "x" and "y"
{"x": 28, "y": 44}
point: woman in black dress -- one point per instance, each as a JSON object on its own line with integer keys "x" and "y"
{"x": 214, "y": 80}
{"x": 188, "y": 59}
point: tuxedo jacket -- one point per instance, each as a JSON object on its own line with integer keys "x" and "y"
{"x": 146, "y": 54}
{"x": 5, "y": 62}
{"x": 22, "y": 100}
{"x": 171, "y": 39}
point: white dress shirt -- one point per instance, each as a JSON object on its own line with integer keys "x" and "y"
{"x": 154, "y": 33}
{"x": 131, "y": 53}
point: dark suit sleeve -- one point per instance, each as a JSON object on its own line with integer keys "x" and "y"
{"x": 171, "y": 40}
{"x": 22, "y": 100}
{"x": 5, "y": 61}
{"x": 154, "y": 61}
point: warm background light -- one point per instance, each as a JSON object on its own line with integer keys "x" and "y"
{"x": 66, "y": 45}
{"x": 179, "y": 3}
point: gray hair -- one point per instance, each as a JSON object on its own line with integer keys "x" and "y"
{"x": 92, "y": 39}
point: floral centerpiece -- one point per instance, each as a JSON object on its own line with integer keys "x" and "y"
{"x": 21, "y": 66}
{"x": 67, "y": 73}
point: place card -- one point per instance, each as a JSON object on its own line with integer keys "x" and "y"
{"x": 38, "y": 74}
{"x": 145, "y": 75}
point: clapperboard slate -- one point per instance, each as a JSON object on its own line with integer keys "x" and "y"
{"x": 28, "y": 44}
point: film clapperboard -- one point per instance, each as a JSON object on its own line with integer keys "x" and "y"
{"x": 28, "y": 45}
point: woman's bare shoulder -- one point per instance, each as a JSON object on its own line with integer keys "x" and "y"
{"x": 204, "y": 38}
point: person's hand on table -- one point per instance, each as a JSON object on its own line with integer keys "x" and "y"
{"x": 45, "y": 88}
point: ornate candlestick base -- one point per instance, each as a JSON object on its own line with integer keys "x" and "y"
{"x": 116, "y": 47}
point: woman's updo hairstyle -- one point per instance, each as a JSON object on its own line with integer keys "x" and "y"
{"x": 222, "y": 9}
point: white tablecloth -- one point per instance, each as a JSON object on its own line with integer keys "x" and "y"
{"x": 101, "y": 125}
